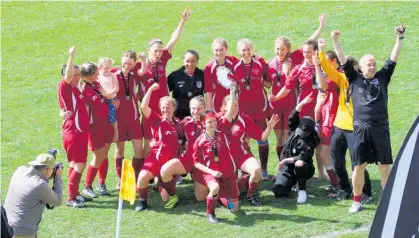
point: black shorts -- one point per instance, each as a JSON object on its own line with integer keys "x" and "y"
{"x": 372, "y": 145}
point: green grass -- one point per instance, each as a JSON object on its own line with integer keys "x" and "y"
{"x": 35, "y": 41}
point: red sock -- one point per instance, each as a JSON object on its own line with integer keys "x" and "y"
{"x": 211, "y": 204}
{"x": 73, "y": 185}
{"x": 263, "y": 155}
{"x": 242, "y": 182}
{"x": 333, "y": 177}
{"x": 118, "y": 166}
{"x": 357, "y": 198}
{"x": 142, "y": 193}
{"x": 103, "y": 171}
{"x": 137, "y": 164}
{"x": 90, "y": 176}
{"x": 170, "y": 187}
{"x": 253, "y": 187}
{"x": 279, "y": 151}
{"x": 70, "y": 170}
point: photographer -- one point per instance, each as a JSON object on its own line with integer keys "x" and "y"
{"x": 29, "y": 193}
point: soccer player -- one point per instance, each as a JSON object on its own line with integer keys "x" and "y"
{"x": 216, "y": 74}
{"x": 155, "y": 72}
{"x": 279, "y": 70}
{"x": 101, "y": 132}
{"x": 74, "y": 128}
{"x": 250, "y": 74}
{"x": 371, "y": 127}
{"x": 128, "y": 115}
{"x": 342, "y": 135}
{"x": 325, "y": 114}
{"x": 244, "y": 126}
{"x": 183, "y": 164}
{"x": 186, "y": 83}
{"x": 212, "y": 158}
{"x": 168, "y": 138}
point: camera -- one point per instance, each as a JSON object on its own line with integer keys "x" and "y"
{"x": 58, "y": 165}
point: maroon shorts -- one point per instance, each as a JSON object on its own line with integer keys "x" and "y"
{"x": 325, "y": 135}
{"x": 152, "y": 165}
{"x": 228, "y": 185}
{"x": 146, "y": 129}
{"x": 242, "y": 158}
{"x": 187, "y": 161}
{"x": 100, "y": 134}
{"x": 129, "y": 130}
{"x": 75, "y": 145}
{"x": 283, "y": 114}
{"x": 198, "y": 176}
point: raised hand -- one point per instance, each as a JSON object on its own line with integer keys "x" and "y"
{"x": 335, "y": 34}
{"x": 72, "y": 51}
{"x": 186, "y": 13}
{"x": 321, "y": 43}
{"x": 323, "y": 20}
{"x": 142, "y": 56}
{"x": 400, "y": 30}
{"x": 272, "y": 122}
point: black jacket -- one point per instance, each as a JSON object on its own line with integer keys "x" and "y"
{"x": 303, "y": 148}
{"x": 6, "y": 229}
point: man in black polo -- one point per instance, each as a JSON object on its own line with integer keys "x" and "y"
{"x": 186, "y": 83}
{"x": 371, "y": 127}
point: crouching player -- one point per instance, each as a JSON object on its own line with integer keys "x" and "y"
{"x": 168, "y": 138}
{"x": 296, "y": 166}
{"x": 215, "y": 165}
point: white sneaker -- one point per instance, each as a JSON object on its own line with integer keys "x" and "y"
{"x": 179, "y": 180}
{"x": 356, "y": 207}
{"x": 302, "y": 197}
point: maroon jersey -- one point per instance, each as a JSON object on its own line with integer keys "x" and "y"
{"x": 128, "y": 107}
{"x": 98, "y": 109}
{"x": 214, "y": 153}
{"x": 155, "y": 73}
{"x": 167, "y": 137}
{"x": 252, "y": 95}
{"x": 71, "y": 99}
{"x": 330, "y": 105}
{"x": 278, "y": 78}
{"x": 303, "y": 76}
{"x": 219, "y": 87}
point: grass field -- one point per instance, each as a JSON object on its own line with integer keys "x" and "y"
{"x": 35, "y": 41}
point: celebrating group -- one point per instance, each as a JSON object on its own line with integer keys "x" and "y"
{"x": 320, "y": 103}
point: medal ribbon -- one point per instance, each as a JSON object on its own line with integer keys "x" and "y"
{"x": 126, "y": 85}
{"x": 247, "y": 78}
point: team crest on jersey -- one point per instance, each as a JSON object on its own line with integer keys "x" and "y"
{"x": 255, "y": 71}
{"x": 168, "y": 132}
{"x": 199, "y": 84}
{"x": 150, "y": 80}
{"x": 94, "y": 97}
{"x": 235, "y": 128}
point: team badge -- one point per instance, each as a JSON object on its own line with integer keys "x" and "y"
{"x": 199, "y": 84}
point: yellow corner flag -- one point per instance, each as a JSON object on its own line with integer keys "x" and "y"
{"x": 128, "y": 189}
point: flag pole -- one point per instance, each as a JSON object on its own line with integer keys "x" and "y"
{"x": 119, "y": 218}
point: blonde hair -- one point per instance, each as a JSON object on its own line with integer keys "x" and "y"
{"x": 220, "y": 41}
{"x": 104, "y": 60}
{"x": 200, "y": 99}
{"x": 286, "y": 65}
{"x": 244, "y": 41}
{"x": 168, "y": 99}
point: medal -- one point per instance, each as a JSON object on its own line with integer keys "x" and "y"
{"x": 127, "y": 97}
{"x": 126, "y": 85}
{"x": 248, "y": 87}
{"x": 247, "y": 77}
{"x": 278, "y": 83}
{"x": 102, "y": 100}
{"x": 294, "y": 151}
{"x": 189, "y": 94}
{"x": 216, "y": 158}
{"x": 180, "y": 142}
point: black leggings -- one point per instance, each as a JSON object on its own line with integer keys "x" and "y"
{"x": 289, "y": 175}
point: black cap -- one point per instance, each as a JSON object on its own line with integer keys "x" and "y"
{"x": 305, "y": 127}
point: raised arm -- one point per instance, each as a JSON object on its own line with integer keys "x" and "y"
{"x": 178, "y": 32}
{"x": 322, "y": 25}
{"x": 319, "y": 74}
{"x": 142, "y": 58}
{"x": 330, "y": 71}
{"x": 70, "y": 65}
{"x": 231, "y": 110}
{"x": 398, "y": 45}
{"x": 338, "y": 48}
{"x": 146, "y": 100}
